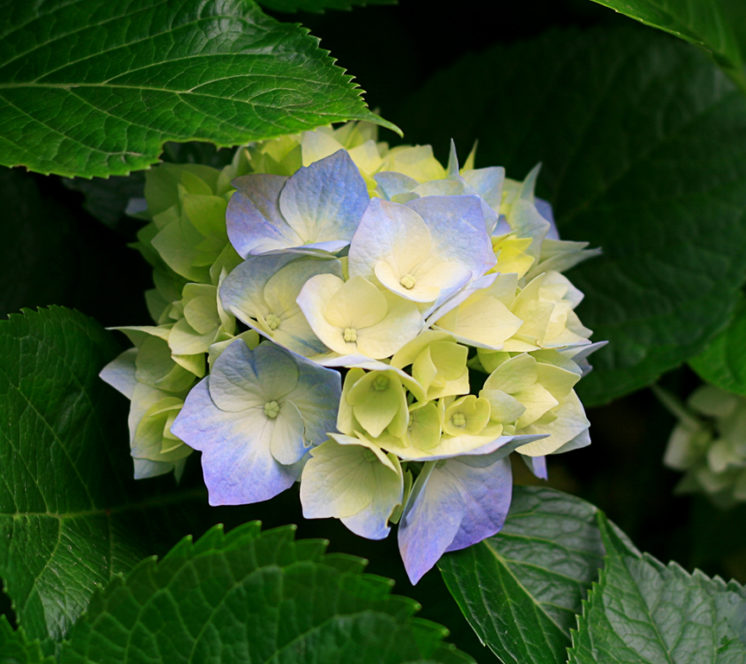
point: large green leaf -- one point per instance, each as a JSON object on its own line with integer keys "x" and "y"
{"x": 723, "y": 362}
{"x": 521, "y": 589}
{"x": 93, "y": 87}
{"x": 701, "y": 22}
{"x": 735, "y": 13}
{"x": 16, "y": 649}
{"x": 319, "y": 5}
{"x": 69, "y": 518}
{"x": 254, "y": 597}
{"x": 643, "y": 144}
{"x": 644, "y": 612}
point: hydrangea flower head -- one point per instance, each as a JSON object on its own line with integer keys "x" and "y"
{"x": 709, "y": 445}
{"x": 379, "y": 327}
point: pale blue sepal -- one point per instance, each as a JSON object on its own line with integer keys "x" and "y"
{"x": 271, "y": 373}
{"x": 497, "y": 447}
{"x": 487, "y": 183}
{"x": 242, "y": 378}
{"x": 145, "y": 468}
{"x": 242, "y": 291}
{"x": 487, "y": 507}
{"x": 369, "y": 523}
{"x": 237, "y": 464}
{"x": 265, "y": 287}
{"x": 323, "y": 202}
{"x": 580, "y": 356}
{"x": 537, "y": 465}
{"x": 583, "y": 439}
{"x": 471, "y": 242}
{"x": 545, "y": 210}
{"x": 502, "y": 228}
{"x": 392, "y": 184}
{"x": 120, "y": 372}
{"x": 253, "y": 218}
{"x": 430, "y": 521}
{"x": 316, "y": 396}
{"x": 453, "y": 504}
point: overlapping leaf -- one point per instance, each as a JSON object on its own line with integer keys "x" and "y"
{"x": 723, "y": 362}
{"x": 644, "y": 612}
{"x": 319, "y": 5}
{"x": 92, "y": 87}
{"x": 522, "y": 589}
{"x": 69, "y": 517}
{"x": 16, "y": 649}
{"x": 643, "y": 144}
{"x": 706, "y": 23}
{"x": 254, "y": 597}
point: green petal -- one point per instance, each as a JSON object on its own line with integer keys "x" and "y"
{"x": 376, "y": 398}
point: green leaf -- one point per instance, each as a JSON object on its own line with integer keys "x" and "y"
{"x": 723, "y": 362}
{"x": 94, "y": 88}
{"x": 318, "y": 5}
{"x": 16, "y": 649}
{"x": 701, "y": 22}
{"x": 735, "y": 13}
{"x": 249, "y": 596}
{"x": 69, "y": 518}
{"x": 521, "y": 589}
{"x": 643, "y": 144}
{"x": 644, "y": 612}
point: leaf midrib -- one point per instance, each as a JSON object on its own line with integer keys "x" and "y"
{"x": 501, "y": 561}
{"x": 174, "y": 498}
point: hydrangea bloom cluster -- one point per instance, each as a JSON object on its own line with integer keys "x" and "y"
{"x": 363, "y": 320}
{"x": 709, "y": 444}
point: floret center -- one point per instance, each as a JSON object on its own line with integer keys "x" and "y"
{"x": 458, "y": 420}
{"x": 271, "y": 409}
{"x": 349, "y": 335}
{"x": 408, "y": 281}
{"x": 273, "y": 321}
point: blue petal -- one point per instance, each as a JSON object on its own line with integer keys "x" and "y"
{"x": 583, "y": 439}
{"x": 498, "y": 447}
{"x": 323, "y": 202}
{"x": 371, "y": 523}
{"x": 487, "y": 503}
{"x": 537, "y": 465}
{"x": 253, "y": 217}
{"x": 237, "y": 464}
{"x": 242, "y": 378}
{"x": 487, "y": 183}
{"x": 249, "y": 292}
{"x": 454, "y": 504}
{"x": 316, "y": 395}
{"x": 444, "y": 214}
{"x": 428, "y": 525}
{"x": 545, "y": 210}
{"x": 393, "y": 184}
{"x": 242, "y": 291}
